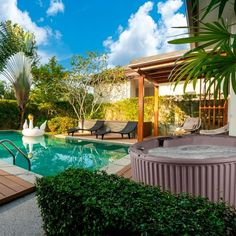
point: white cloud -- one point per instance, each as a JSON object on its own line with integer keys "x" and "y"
{"x": 170, "y": 18}
{"x": 41, "y": 19}
{"x": 57, "y": 34}
{"x": 144, "y": 36}
{"x": 10, "y": 11}
{"x": 55, "y": 7}
{"x": 44, "y": 56}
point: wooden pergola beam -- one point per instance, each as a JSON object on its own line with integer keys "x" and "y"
{"x": 140, "y": 107}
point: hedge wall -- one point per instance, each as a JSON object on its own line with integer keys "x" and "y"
{"x": 172, "y": 109}
{"x": 79, "y": 202}
{"x": 9, "y": 114}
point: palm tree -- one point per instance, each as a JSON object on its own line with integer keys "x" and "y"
{"x": 217, "y": 64}
{"x": 18, "y": 72}
{"x": 14, "y": 39}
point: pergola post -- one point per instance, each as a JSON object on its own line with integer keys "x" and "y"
{"x": 156, "y": 109}
{"x": 140, "y": 107}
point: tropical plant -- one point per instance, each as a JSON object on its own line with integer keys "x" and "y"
{"x": 18, "y": 72}
{"x": 220, "y": 4}
{"x": 14, "y": 39}
{"x": 47, "y": 81}
{"x": 214, "y": 56}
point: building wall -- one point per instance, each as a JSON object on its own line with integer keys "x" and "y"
{"x": 114, "y": 92}
{"x": 166, "y": 89}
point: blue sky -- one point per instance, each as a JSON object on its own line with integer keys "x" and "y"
{"x": 124, "y": 29}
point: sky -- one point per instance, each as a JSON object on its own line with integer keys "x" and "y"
{"x": 123, "y": 29}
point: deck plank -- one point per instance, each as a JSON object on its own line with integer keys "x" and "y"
{"x": 125, "y": 172}
{"x": 11, "y": 184}
{"x": 12, "y": 187}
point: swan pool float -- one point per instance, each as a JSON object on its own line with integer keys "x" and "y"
{"x": 32, "y": 131}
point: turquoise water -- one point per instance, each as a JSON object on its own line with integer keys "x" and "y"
{"x": 49, "y": 156}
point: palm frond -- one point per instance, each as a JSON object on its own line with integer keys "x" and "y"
{"x": 217, "y": 4}
{"x": 217, "y": 68}
{"x": 213, "y": 35}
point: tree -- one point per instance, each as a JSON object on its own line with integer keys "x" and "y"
{"x": 18, "y": 72}
{"x": 47, "y": 90}
{"x": 14, "y": 39}
{"x": 217, "y": 64}
{"x": 47, "y": 82}
{"x": 89, "y": 82}
{"x": 6, "y": 91}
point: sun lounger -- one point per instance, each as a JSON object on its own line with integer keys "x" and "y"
{"x": 190, "y": 125}
{"x": 128, "y": 129}
{"x": 98, "y": 125}
{"x": 221, "y": 130}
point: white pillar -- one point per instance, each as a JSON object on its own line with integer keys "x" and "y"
{"x": 232, "y": 102}
{"x": 232, "y": 113}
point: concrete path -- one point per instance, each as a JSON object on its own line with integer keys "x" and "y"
{"x": 21, "y": 218}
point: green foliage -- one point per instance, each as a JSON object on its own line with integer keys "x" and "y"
{"x": 220, "y": 4}
{"x": 172, "y": 109}
{"x": 9, "y": 114}
{"x": 14, "y": 39}
{"x": 79, "y": 202}
{"x": 89, "y": 82}
{"x": 214, "y": 57}
{"x": 60, "y": 125}
{"x": 47, "y": 80}
{"x": 6, "y": 91}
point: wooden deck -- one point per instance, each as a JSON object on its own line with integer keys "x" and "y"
{"x": 12, "y": 187}
{"x": 125, "y": 172}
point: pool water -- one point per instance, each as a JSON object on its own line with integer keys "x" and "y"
{"x": 49, "y": 156}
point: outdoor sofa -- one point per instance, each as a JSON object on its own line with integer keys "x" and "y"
{"x": 129, "y": 128}
{"x": 98, "y": 125}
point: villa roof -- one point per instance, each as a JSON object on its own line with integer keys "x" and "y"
{"x": 157, "y": 68}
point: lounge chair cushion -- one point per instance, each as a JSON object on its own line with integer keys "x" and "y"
{"x": 221, "y": 130}
{"x": 190, "y": 123}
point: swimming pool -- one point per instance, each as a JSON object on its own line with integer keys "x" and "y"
{"x": 49, "y": 156}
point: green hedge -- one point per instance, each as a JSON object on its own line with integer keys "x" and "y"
{"x": 9, "y": 114}
{"x": 60, "y": 125}
{"x": 79, "y": 202}
{"x": 172, "y": 109}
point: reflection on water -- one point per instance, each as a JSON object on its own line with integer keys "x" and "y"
{"x": 49, "y": 156}
{"x": 29, "y": 143}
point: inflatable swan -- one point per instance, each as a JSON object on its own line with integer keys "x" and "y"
{"x": 31, "y": 130}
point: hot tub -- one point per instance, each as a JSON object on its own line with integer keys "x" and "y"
{"x": 196, "y": 164}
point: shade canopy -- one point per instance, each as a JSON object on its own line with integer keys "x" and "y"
{"x": 156, "y": 68}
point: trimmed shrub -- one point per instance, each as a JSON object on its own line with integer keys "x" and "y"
{"x": 79, "y": 202}
{"x": 61, "y": 124}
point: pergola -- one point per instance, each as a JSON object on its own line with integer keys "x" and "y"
{"x": 155, "y": 69}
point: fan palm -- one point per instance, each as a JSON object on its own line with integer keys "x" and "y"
{"x": 18, "y": 72}
{"x": 215, "y": 56}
